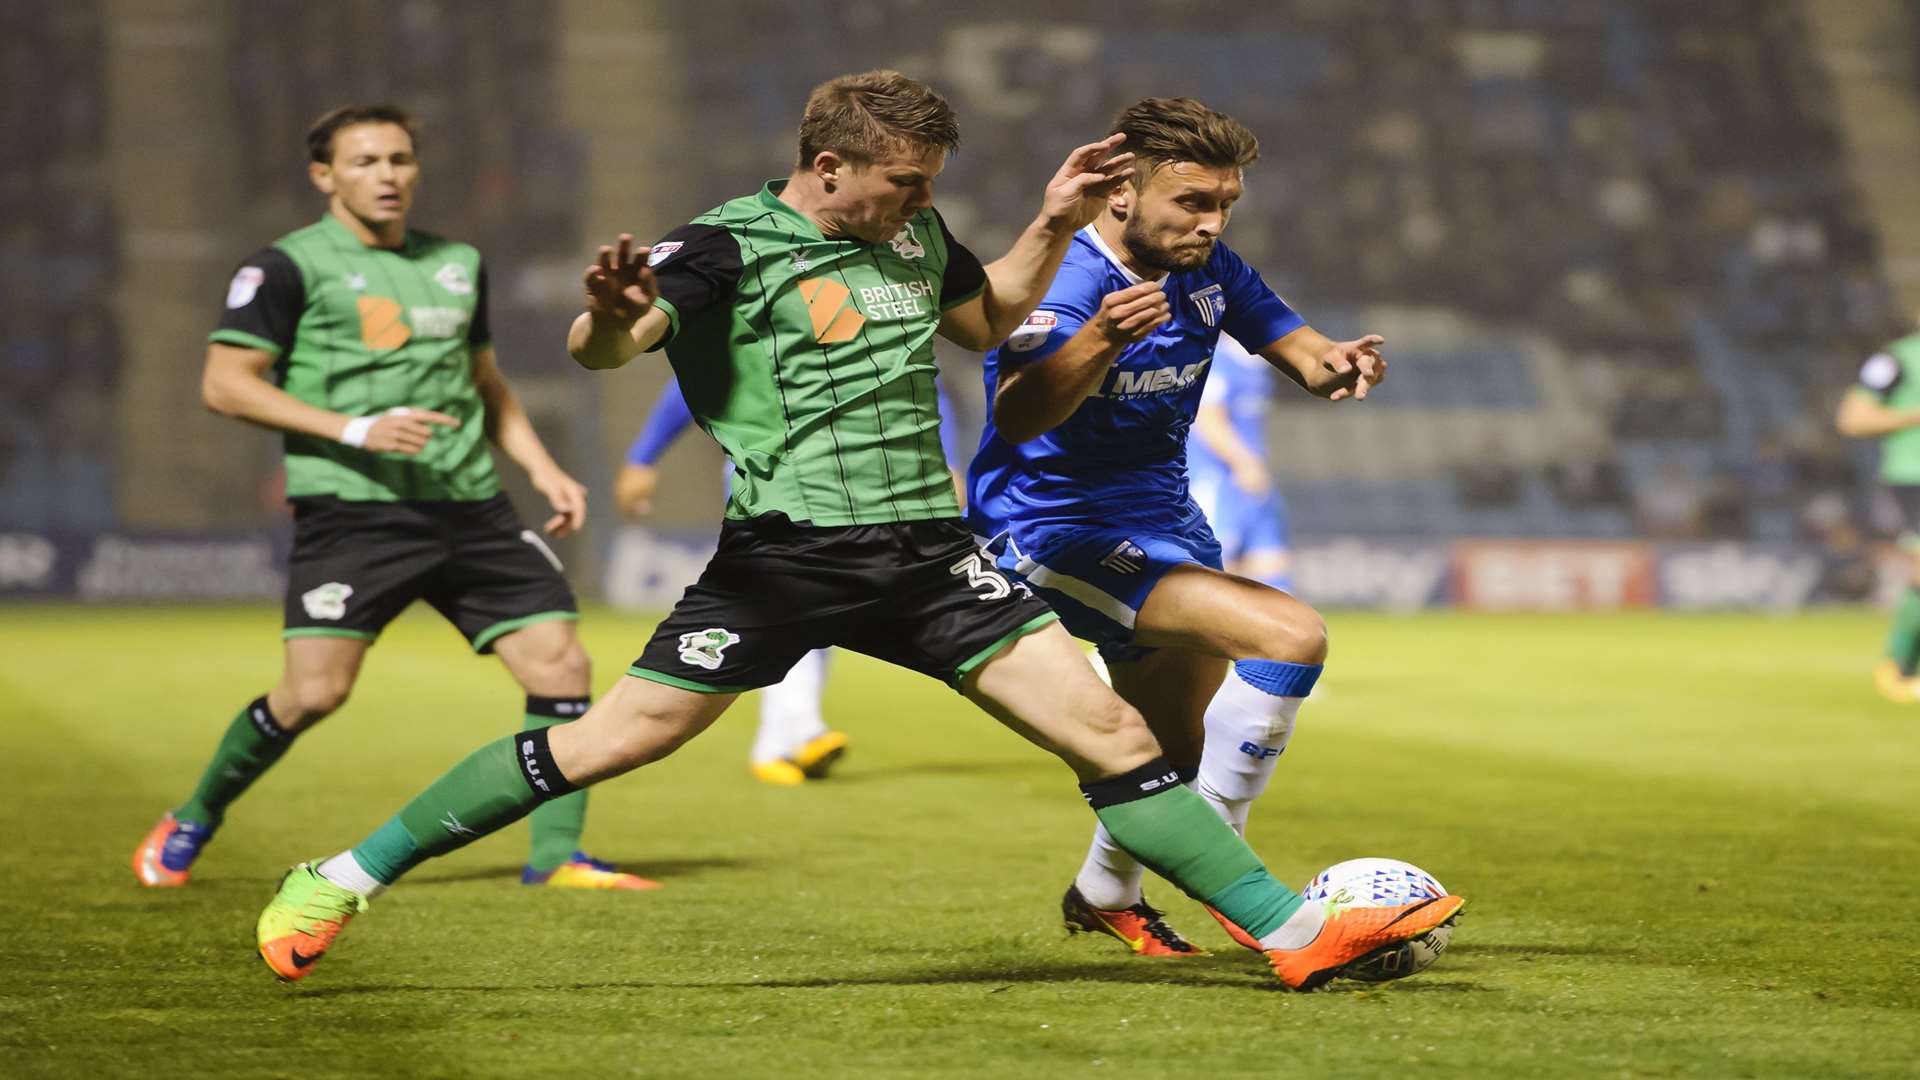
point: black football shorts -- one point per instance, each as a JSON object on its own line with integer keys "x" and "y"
{"x": 357, "y": 565}
{"x": 919, "y": 594}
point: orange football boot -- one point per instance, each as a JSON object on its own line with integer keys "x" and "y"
{"x": 1356, "y": 933}
{"x": 1139, "y": 927}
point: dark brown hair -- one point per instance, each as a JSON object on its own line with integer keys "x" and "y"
{"x": 1161, "y": 131}
{"x": 863, "y": 117}
{"x": 320, "y": 135}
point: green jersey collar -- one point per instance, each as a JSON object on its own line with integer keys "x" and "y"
{"x": 338, "y": 229}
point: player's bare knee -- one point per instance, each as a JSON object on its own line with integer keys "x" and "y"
{"x": 312, "y": 698}
{"x": 1297, "y": 635}
{"x": 570, "y": 671}
{"x": 1118, "y": 729}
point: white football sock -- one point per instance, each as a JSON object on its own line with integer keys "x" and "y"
{"x": 790, "y": 709}
{"x": 1230, "y": 779}
{"x": 345, "y": 871}
{"x": 1247, "y": 730}
{"x": 1110, "y": 878}
{"x": 1300, "y": 928}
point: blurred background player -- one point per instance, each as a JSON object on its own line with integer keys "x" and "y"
{"x": 1227, "y": 467}
{"x": 1081, "y": 482}
{"x": 794, "y": 743}
{"x": 1885, "y": 405}
{"x": 367, "y": 344}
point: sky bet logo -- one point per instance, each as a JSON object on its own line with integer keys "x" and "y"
{"x": 1260, "y": 753}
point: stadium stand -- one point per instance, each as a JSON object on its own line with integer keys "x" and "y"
{"x": 58, "y": 330}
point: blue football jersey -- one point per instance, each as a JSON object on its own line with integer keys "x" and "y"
{"x": 1121, "y": 458}
{"x": 1242, "y": 383}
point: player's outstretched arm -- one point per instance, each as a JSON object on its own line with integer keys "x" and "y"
{"x": 1864, "y": 416}
{"x": 1332, "y": 369}
{"x": 620, "y": 322}
{"x": 1035, "y": 398}
{"x": 511, "y": 429}
{"x": 1017, "y": 280}
{"x": 234, "y": 383}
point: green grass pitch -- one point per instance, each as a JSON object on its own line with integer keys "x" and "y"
{"x": 1690, "y": 844}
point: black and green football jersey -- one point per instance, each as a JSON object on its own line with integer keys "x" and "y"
{"x": 1893, "y": 376}
{"x": 360, "y": 330}
{"x": 810, "y": 359}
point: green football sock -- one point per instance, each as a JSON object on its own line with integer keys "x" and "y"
{"x": 1173, "y": 831}
{"x": 1903, "y": 645}
{"x": 556, "y": 823}
{"x": 493, "y": 788}
{"x": 252, "y": 743}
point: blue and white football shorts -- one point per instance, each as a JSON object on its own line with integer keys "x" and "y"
{"x": 1096, "y": 578}
{"x": 1242, "y": 524}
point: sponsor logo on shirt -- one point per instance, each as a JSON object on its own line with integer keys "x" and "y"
{"x": 381, "y": 325}
{"x": 1147, "y": 382}
{"x": 453, "y": 278}
{"x": 244, "y": 286}
{"x": 904, "y": 244}
{"x": 1211, "y": 303}
{"x": 830, "y": 307}
{"x": 437, "y": 322}
{"x": 1032, "y": 332}
{"x": 662, "y": 252}
{"x": 356, "y": 282}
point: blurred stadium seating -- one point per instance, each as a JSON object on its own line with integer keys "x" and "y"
{"x": 1619, "y": 248}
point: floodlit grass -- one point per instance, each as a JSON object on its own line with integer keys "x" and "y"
{"x": 1690, "y": 845}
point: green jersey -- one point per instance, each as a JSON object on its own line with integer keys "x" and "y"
{"x": 810, "y": 359}
{"x": 360, "y": 330}
{"x": 1893, "y": 376}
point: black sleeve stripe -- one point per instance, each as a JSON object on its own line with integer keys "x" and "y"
{"x": 480, "y": 330}
{"x": 964, "y": 275}
{"x": 264, "y": 299}
{"x": 700, "y": 271}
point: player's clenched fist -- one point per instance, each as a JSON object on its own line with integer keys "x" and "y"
{"x": 619, "y": 285}
{"x": 1131, "y": 314}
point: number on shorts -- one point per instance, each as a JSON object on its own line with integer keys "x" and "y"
{"x": 979, "y": 576}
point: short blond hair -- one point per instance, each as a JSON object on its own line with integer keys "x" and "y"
{"x": 864, "y": 117}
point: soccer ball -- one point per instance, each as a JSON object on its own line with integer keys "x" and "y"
{"x": 1384, "y": 883}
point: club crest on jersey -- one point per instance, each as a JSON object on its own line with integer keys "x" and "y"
{"x": 904, "y": 244}
{"x": 704, "y": 648}
{"x": 453, "y": 278}
{"x": 245, "y": 284}
{"x": 1211, "y": 302}
{"x": 662, "y": 252}
{"x": 1034, "y": 331}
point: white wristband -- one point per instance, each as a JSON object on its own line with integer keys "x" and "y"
{"x": 355, "y": 433}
